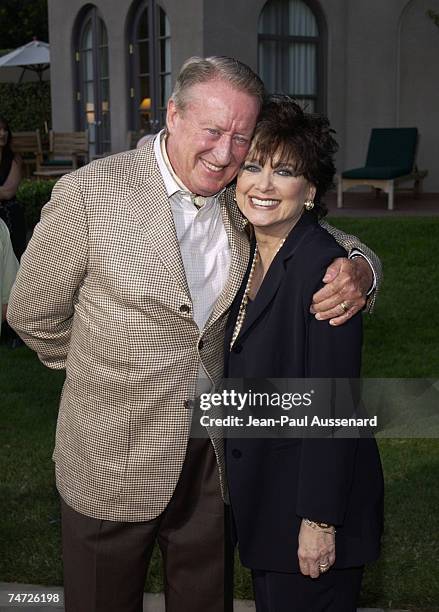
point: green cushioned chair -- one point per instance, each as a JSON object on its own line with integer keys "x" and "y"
{"x": 57, "y": 163}
{"x": 390, "y": 161}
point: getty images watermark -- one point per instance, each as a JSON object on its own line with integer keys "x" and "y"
{"x": 286, "y": 408}
{"x": 243, "y": 402}
{"x": 385, "y": 408}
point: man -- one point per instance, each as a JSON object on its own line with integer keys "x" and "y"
{"x": 127, "y": 283}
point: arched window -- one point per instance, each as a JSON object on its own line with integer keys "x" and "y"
{"x": 290, "y": 51}
{"x": 150, "y": 66}
{"x": 93, "y": 82}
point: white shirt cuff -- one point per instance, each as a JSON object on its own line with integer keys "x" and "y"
{"x": 357, "y": 253}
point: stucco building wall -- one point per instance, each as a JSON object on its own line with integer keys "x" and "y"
{"x": 381, "y": 63}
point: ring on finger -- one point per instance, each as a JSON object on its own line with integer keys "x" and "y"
{"x": 323, "y": 567}
{"x": 345, "y": 307}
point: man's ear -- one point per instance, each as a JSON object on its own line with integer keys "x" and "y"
{"x": 171, "y": 115}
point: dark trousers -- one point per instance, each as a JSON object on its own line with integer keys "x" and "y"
{"x": 106, "y": 562}
{"x": 334, "y": 591}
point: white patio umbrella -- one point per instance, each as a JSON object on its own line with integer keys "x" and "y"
{"x": 35, "y": 56}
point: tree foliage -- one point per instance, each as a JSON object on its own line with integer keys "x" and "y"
{"x": 26, "y": 106}
{"x": 434, "y": 17}
{"x": 21, "y": 20}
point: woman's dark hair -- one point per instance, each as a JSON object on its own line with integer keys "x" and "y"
{"x": 285, "y": 132}
{"x": 7, "y": 153}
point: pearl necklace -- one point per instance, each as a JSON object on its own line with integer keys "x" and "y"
{"x": 245, "y": 298}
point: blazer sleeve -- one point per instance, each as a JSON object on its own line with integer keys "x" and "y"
{"x": 327, "y": 464}
{"x": 349, "y": 243}
{"x": 42, "y": 301}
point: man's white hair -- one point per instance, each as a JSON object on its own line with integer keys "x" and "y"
{"x": 222, "y": 68}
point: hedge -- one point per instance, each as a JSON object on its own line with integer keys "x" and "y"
{"x": 33, "y": 195}
{"x": 26, "y": 106}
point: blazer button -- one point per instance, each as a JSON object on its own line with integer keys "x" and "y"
{"x": 185, "y": 308}
{"x": 187, "y": 404}
{"x": 237, "y": 348}
{"x": 200, "y": 344}
{"x": 236, "y": 453}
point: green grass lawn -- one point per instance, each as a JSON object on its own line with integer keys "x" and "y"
{"x": 401, "y": 340}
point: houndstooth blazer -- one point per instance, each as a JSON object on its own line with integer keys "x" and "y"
{"x": 102, "y": 293}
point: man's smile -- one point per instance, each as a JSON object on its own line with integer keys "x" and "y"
{"x": 211, "y": 167}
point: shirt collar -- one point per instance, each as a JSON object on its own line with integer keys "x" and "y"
{"x": 169, "y": 178}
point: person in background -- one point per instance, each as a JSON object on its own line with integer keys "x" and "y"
{"x": 11, "y": 173}
{"x": 11, "y": 212}
{"x": 8, "y": 269}
{"x": 307, "y": 512}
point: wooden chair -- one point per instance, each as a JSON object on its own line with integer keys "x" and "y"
{"x": 391, "y": 160}
{"x": 66, "y": 151}
{"x": 28, "y": 145}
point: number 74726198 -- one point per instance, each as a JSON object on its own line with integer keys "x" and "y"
{"x": 34, "y": 597}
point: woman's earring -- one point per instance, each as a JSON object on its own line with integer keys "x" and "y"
{"x": 309, "y": 204}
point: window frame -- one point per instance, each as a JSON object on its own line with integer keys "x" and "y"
{"x": 155, "y": 70}
{"x": 93, "y": 15}
{"x": 284, "y": 40}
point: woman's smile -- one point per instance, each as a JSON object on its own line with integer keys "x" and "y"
{"x": 263, "y": 203}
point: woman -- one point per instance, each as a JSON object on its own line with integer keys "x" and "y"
{"x": 10, "y": 176}
{"x": 307, "y": 512}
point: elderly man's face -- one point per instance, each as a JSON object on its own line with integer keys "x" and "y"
{"x": 209, "y": 140}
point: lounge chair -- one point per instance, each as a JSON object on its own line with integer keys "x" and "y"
{"x": 390, "y": 161}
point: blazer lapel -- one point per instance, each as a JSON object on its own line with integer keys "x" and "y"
{"x": 276, "y": 271}
{"x": 266, "y": 292}
{"x": 150, "y": 205}
{"x": 234, "y": 224}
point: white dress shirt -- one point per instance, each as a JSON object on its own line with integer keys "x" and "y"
{"x": 203, "y": 241}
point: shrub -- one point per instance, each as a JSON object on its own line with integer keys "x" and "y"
{"x": 33, "y": 195}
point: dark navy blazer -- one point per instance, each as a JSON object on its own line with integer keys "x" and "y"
{"x": 273, "y": 483}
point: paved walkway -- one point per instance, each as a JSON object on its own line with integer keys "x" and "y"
{"x": 151, "y": 602}
{"x": 364, "y": 204}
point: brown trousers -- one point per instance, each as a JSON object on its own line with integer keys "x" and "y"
{"x": 106, "y": 562}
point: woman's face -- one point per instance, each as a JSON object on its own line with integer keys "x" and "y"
{"x": 272, "y": 196}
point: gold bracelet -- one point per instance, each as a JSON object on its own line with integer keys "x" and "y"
{"x": 325, "y": 527}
